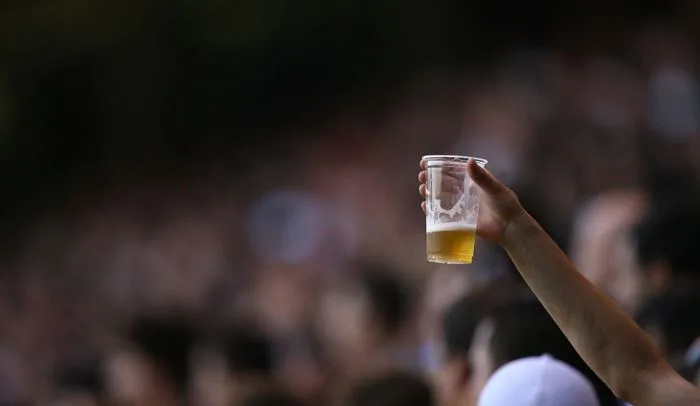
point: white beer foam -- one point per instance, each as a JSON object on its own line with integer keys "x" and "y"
{"x": 460, "y": 226}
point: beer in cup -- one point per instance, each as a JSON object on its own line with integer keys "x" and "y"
{"x": 451, "y": 209}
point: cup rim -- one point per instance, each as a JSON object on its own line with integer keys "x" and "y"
{"x": 461, "y": 159}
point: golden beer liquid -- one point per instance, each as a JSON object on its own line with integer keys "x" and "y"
{"x": 451, "y": 243}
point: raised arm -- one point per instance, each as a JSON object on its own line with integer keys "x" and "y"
{"x": 605, "y": 337}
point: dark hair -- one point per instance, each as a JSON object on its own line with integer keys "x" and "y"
{"x": 165, "y": 342}
{"x": 246, "y": 350}
{"x": 388, "y": 297}
{"x": 460, "y": 320}
{"x": 668, "y": 185}
{"x": 676, "y": 313}
{"x": 522, "y": 328}
{"x": 85, "y": 376}
{"x": 391, "y": 389}
{"x": 269, "y": 397}
{"x": 669, "y": 232}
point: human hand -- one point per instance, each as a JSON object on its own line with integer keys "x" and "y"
{"x": 499, "y": 206}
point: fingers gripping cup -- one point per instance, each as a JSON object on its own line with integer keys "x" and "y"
{"x": 451, "y": 209}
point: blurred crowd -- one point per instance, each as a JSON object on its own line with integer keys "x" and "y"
{"x": 303, "y": 281}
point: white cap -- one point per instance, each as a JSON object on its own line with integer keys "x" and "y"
{"x": 537, "y": 381}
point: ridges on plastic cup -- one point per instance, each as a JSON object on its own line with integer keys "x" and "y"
{"x": 451, "y": 209}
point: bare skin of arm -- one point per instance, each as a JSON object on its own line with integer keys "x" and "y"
{"x": 606, "y": 338}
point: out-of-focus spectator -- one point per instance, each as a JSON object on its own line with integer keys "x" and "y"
{"x": 153, "y": 367}
{"x": 303, "y": 367}
{"x": 12, "y": 379}
{"x": 248, "y": 354}
{"x": 672, "y": 319}
{"x": 364, "y": 321}
{"x": 240, "y": 358}
{"x": 601, "y": 247}
{"x": 537, "y": 381}
{"x": 442, "y": 289}
{"x": 692, "y": 362}
{"x": 268, "y": 396}
{"x": 390, "y": 389}
{"x": 281, "y": 297}
{"x": 457, "y": 373}
{"x": 666, "y": 244}
{"x": 521, "y": 328}
{"x": 81, "y": 384}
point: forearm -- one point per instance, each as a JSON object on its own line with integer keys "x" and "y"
{"x": 606, "y": 338}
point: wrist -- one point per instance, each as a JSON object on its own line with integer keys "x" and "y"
{"x": 520, "y": 227}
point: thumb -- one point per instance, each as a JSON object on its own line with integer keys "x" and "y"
{"x": 484, "y": 179}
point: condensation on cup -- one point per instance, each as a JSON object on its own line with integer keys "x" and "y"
{"x": 451, "y": 209}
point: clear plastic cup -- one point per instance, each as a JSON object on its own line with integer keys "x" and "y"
{"x": 451, "y": 209}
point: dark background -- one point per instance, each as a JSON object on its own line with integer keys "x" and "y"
{"x": 94, "y": 90}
